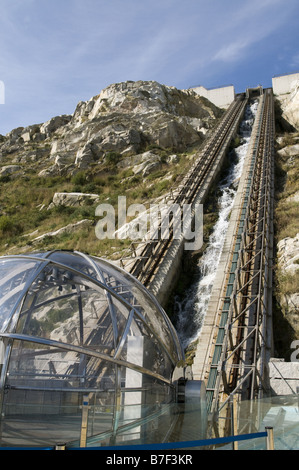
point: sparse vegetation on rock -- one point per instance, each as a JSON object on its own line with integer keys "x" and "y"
{"x": 286, "y": 287}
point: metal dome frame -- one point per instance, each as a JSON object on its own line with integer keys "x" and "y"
{"x": 125, "y": 298}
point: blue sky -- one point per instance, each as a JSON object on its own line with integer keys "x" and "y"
{"x": 55, "y": 53}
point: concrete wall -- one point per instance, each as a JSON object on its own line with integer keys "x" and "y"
{"x": 221, "y": 97}
{"x": 284, "y": 377}
{"x": 282, "y": 84}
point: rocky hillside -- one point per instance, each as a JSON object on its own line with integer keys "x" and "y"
{"x": 133, "y": 139}
{"x": 286, "y": 327}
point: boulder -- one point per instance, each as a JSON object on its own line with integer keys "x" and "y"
{"x": 9, "y": 170}
{"x": 55, "y": 123}
{"x": 30, "y": 132}
{"x": 288, "y": 262}
{"x": 147, "y": 162}
{"x": 151, "y": 167}
{"x": 173, "y": 159}
{"x": 289, "y": 151}
{"x": 14, "y": 135}
{"x": 283, "y": 377}
{"x": 288, "y": 254}
{"x": 74, "y": 199}
{"x": 290, "y": 105}
{"x": 70, "y": 228}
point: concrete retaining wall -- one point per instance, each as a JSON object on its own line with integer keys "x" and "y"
{"x": 284, "y": 377}
{"x": 221, "y": 97}
{"x": 282, "y": 84}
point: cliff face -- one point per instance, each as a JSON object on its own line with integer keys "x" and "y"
{"x": 290, "y": 105}
{"x": 133, "y": 139}
{"x": 287, "y": 226}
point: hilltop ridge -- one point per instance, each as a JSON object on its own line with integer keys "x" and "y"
{"x": 133, "y": 138}
{"x": 125, "y": 118}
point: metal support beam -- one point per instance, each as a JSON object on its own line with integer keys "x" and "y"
{"x": 242, "y": 358}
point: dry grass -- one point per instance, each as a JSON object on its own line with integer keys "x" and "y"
{"x": 286, "y": 223}
{"x": 287, "y": 186}
{"x": 24, "y": 203}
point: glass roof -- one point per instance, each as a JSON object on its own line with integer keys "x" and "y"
{"x": 35, "y": 286}
{"x": 72, "y": 322}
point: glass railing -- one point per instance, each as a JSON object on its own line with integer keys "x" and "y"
{"x": 171, "y": 426}
{"x": 280, "y": 413}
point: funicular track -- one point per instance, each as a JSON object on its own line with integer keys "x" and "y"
{"x": 147, "y": 255}
{"x": 243, "y": 341}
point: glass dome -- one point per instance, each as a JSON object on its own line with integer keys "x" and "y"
{"x": 77, "y": 330}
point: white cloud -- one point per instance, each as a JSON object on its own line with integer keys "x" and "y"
{"x": 231, "y": 52}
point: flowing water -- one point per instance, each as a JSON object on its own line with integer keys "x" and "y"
{"x": 190, "y": 310}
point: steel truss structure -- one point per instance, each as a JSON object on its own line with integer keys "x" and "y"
{"x": 244, "y": 335}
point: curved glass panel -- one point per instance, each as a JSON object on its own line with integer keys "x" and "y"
{"x": 63, "y": 306}
{"x": 75, "y": 328}
{"x": 75, "y": 261}
{"x": 14, "y": 274}
{"x": 138, "y": 296}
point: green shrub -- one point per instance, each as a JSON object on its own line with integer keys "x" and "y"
{"x": 112, "y": 157}
{"x": 5, "y": 179}
{"x": 79, "y": 178}
{"x": 9, "y": 226}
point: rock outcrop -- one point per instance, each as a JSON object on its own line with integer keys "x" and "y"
{"x": 288, "y": 254}
{"x": 70, "y": 228}
{"x": 287, "y": 208}
{"x": 290, "y": 105}
{"x": 73, "y": 199}
{"x": 124, "y": 119}
{"x": 288, "y": 265}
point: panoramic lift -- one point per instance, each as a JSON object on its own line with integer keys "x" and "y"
{"x": 89, "y": 358}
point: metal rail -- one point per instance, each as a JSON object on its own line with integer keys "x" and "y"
{"x": 239, "y": 360}
{"x": 147, "y": 255}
